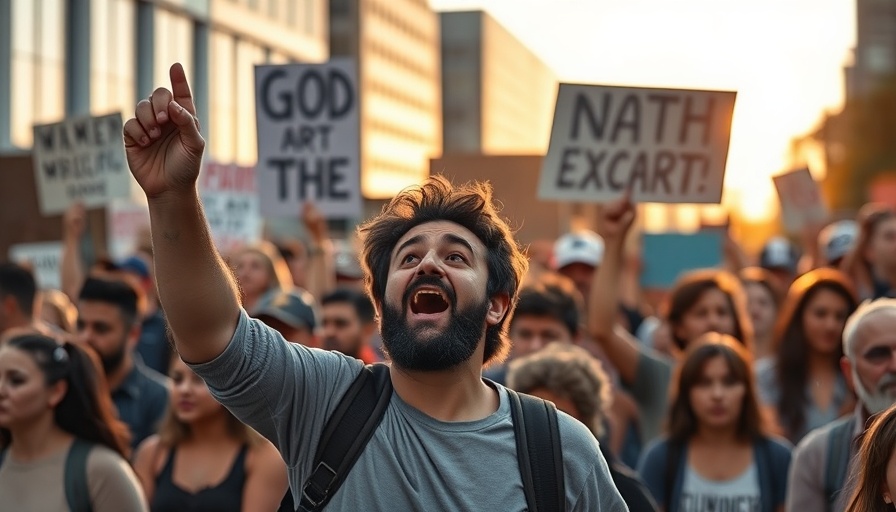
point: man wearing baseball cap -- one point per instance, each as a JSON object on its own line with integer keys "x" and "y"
{"x": 577, "y": 255}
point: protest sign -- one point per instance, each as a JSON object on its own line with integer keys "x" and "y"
{"x": 80, "y": 159}
{"x": 801, "y": 201}
{"x": 230, "y": 200}
{"x": 44, "y": 258}
{"x": 125, "y": 221}
{"x": 667, "y": 255}
{"x": 668, "y": 145}
{"x": 308, "y": 138}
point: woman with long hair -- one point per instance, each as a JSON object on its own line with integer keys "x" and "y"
{"x": 874, "y": 485}
{"x": 53, "y": 404}
{"x": 204, "y": 459}
{"x": 701, "y": 301}
{"x": 763, "y": 301}
{"x": 717, "y": 454}
{"x": 261, "y": 273}
{"x": 872, "y": 261}
{"x": 803, "y": 382}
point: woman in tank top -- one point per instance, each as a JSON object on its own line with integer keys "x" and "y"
{"x": 54, "y": 405}
{"x": 716, "y": 455}
{"x": 204, "y": 459}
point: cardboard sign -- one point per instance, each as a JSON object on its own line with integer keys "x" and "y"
{"x": 80, "y": 159}
{"x": 125, "y": 220}
{"x": 308, "y": 138}
{"x": 667, "y": 255}
{"x": 801, "y": 201}
{"x": 668, "y": 145}
{"x": 45, "y": 258}
{"x": 230, "y": 200}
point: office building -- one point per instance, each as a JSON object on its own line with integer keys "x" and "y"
{"x": 498, "y": 97}
{"x": 396, "y": 44}
{"x": 62, "y": 58}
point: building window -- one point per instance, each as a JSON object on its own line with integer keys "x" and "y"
{"x": 112, "y": 56}
{"x": 247, "y": 56}
{"x": 38, "y": 73}
{"x": 173, "y": 43}
{"x": 222, "y": 104}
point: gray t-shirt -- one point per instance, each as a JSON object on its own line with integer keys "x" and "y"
{"x": 740, "y": 493}
{"x": 651, "y": 391}
{"x": 413, "y": 462}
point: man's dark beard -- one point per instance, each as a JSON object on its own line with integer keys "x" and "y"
{"x": 112, "y": 362}
{"x": 442, "y": 351}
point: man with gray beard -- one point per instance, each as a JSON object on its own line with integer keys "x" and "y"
{"x": 823, "y": 460}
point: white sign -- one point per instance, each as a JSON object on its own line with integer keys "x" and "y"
{"x": 668, "y": 145}
{"x": 308, "y": 138}
{"x": 230, "y": 200}
{"x": 125, "y": 222}
{"x": 801, "y": 201}
{"x": 80, "y": 159}
{"x": 44, "y": 258}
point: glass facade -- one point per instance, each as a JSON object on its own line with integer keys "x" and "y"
{"x": 397, "y": 44}
{"x": 113, "y": 51}
{"x": 38, "y": 59}
{"x": 276, "y": 31}
{"x": 173, "y": 43}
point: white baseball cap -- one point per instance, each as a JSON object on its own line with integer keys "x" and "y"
{"x": 837, "y": 239}
{"x": 580, "y": 247}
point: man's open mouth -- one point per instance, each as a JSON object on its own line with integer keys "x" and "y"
{"x": 428, "y": 301}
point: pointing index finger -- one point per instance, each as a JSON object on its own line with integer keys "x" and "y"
{"x": 181, "y": 88}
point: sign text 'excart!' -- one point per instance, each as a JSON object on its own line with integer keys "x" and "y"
{"x": 667, "y": 145}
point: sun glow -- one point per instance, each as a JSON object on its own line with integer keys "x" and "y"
{"x": 784, "y": 59}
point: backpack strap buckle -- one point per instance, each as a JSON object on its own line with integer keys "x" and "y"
{"x": 318, "y": 485}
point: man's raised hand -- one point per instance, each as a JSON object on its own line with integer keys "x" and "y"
{"x": 616, "y": 218}
{"x": 162, "y": 141}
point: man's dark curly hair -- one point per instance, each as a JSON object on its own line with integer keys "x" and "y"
{"x": 469, "y": 205}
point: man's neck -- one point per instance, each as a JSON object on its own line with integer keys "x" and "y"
{"x": 116, "y": 377}
{"x": 458, "y": 394}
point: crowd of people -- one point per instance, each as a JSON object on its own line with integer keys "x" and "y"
{"x": 185, "y": 379}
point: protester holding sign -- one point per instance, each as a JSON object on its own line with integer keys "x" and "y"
{"x": 664, "y": 145}
{"x": 443, "y": 270}
{"x": 701, "y": 302}
{"x": 308, "y": 120}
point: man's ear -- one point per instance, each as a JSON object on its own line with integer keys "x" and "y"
{"x": 134, "y": 336}
{"x": 499, "y": 306}
{"x": 846, "y": 368}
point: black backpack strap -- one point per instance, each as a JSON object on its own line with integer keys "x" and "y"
{"x": 539, "y": 452}
{"x": 839, "y": 443}
{"x": 346, "y": 434}
{"x": 674, "y": 451}
{"x": 77, "y": 493}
